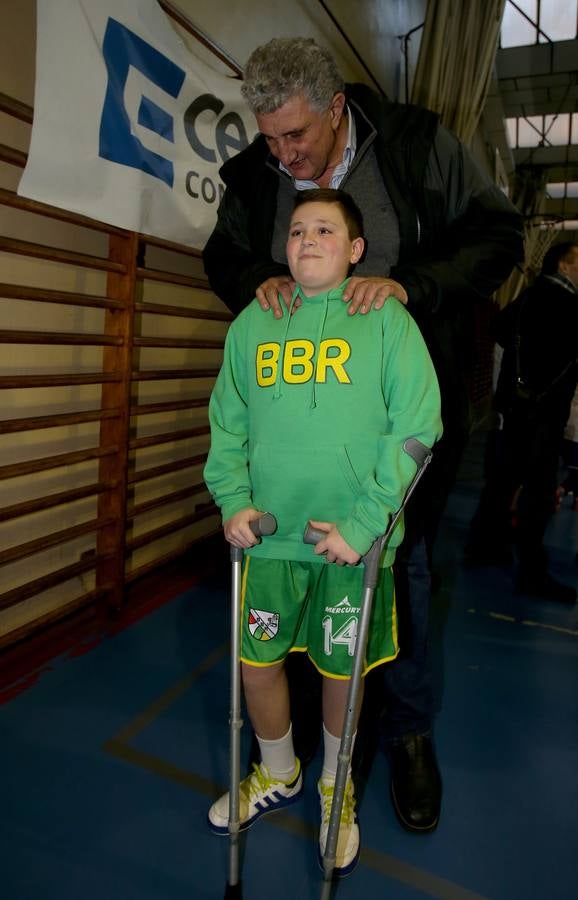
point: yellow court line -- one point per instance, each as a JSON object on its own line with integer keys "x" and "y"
{"x": 157, "y": 766}
{"x": 558, "y": 629}
{"x": 145, "y": 718}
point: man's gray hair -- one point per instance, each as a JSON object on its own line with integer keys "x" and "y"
{"x": 285, "y": 67}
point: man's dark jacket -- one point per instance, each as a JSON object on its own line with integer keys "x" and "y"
{"x": 539, "y": 335}
{"x": 459, "y": 235}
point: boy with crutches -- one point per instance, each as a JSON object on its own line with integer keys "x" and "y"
{"x": 309, "y": 417}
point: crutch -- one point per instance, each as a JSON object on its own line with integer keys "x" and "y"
{"x": 266, "y": 525}
{"x": 422, "y": 456}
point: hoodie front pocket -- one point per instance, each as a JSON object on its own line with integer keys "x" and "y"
{"x": 348, "y": 470}
{"x": 311, "y": 482}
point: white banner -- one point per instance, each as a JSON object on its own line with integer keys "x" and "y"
{"x": 129, "y": 127}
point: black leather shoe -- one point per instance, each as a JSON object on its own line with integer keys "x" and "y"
{"x": 416, "y": 785}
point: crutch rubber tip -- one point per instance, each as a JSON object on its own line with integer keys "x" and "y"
{"x": 233, "y": 892}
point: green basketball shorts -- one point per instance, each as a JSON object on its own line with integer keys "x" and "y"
{"x": 313, "y": 607}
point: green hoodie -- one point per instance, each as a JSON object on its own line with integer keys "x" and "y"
{"x": 309, "y": 415}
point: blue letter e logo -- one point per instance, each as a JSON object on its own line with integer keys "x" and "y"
{"x": 122, "y": 49}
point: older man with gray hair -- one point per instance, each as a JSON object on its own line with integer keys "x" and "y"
{"x": 441, "y": 237}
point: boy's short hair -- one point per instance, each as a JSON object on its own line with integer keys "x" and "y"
{"x": 348, "y": 206}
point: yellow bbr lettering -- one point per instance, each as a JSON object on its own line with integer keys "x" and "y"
{"x": 337, "y": 362}
{"x": 266, "y": 363}
{"x": 297, "y": 365}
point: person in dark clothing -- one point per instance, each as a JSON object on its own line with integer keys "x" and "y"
{"x": 570, "y": 454}
{"x": 440, "y": 236}
{"x": 539, "y": 334}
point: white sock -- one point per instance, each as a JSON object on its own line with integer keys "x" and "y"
{"x": 331, "y": 746}
{"x": 279, "y": 755}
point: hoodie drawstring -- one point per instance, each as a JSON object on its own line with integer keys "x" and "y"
{"x": 277, "y": 392}
{"x": 317, "y": 346}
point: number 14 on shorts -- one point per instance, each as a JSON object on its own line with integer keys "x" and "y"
{"x": 345, "y": 635}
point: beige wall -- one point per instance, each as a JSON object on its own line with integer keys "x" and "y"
{"x": 372, "y": 26}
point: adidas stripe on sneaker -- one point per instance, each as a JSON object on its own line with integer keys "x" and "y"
{"x": 259, "y": 793}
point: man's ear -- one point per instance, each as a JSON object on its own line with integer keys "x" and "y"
{"x": 357, "y": 248}
{"x": 336, "y": 109}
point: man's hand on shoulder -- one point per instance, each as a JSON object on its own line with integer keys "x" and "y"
{"x": 268, "y": 294}
{"x": 364, "y": 293}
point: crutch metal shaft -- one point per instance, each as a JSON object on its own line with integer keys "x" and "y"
{"x": 260, "y": 527}
{"x": 422, "y": 457}
{"x": 235, "y": 725}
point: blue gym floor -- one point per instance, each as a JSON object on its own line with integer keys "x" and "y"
{"x": 112, "y": 755}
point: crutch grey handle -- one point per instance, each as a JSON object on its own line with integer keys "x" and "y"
{"x": 262, "y": 527}
{"x": 313, "y": 535}
{"x": 418, "y": 451}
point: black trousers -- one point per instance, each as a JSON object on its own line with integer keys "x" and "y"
{"x": 520, "y": 486}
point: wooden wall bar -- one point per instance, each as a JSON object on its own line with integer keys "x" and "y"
{"x": 140, "y": 473}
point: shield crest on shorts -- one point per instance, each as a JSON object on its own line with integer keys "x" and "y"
{"x": 263, "y": 625}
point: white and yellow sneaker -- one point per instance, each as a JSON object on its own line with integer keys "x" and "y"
{"x": 347, "y": 853}
{"x": 259, "y": 793}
